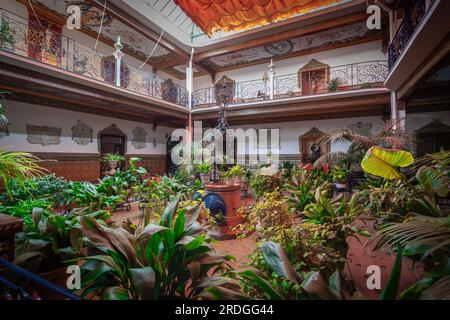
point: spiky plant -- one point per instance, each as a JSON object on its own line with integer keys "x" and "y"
{"x": 18, "y": 166}
{"x": 388, "y": 137}
{"x": 4, "y": 122}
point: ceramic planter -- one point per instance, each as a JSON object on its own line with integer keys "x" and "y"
{"x": 112, "y": 166}
{"x": 230, "y": 181}
{"x": 341, "y": 185}
{"x": 59, "y": 278}
{"x": 204, "y": 177}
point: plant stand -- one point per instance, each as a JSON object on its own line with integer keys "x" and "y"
{"x": 9, "y": 226}
{"x": 231, "y": 194}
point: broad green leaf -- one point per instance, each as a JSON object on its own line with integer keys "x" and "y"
{"x": 316, "y": 286}
{"x": 116, "y": 293}
{"x": 383, "y": 162}
{"x": 143, "y": 282}
{"x": 169, "y": 211}
{"x": 266, "y": 288}
{"x": 391, "y": 289}
{"x": 278, "y": 261}
{"x": 178, "y": 227}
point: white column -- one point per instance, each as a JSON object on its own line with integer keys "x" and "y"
{"x": 394, "y": 109}
{"x": 190, "y": 80}
{"x": 118, "y": 55}
{"x": 271, "y": 79}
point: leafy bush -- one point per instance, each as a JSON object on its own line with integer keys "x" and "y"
{"x": 48, "y": 186}
{"x": 260, "y": 182}
{"x": 24, "y": 208}
{"x": 171, "y": 260}
{"x": 52, "y": 239}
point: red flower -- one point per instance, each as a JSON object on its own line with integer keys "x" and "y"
{"x": 326, "y": 168}
{"x": 308, "y": 167}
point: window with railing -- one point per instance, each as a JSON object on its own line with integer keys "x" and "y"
{"x": 415, "y": 12}
{"x": 43, "y": 43}
{"x": 361, "y": 75}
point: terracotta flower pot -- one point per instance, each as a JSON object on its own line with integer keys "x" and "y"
{"x": 204, "y": 177}
{"x": 229, "y": 181}
{"x": 59, "y": 278}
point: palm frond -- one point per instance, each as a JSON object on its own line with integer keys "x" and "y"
{"x": 438, "y": 291}
{"x": 332, "y": 158}
{"x": 417, "y": 230}
{"x": 18, "y": 165}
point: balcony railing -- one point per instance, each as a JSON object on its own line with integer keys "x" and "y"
{"x": 51, "y": 48}
{"x": 415, "y": 12}
{"x": 353, "y": 76}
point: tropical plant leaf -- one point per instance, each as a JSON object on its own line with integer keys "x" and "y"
{"x": 266, "y": 288}
{"x": 143, "y": 282}
{"x": 390, "y": 290}
{"x": 316, "y": 286}
{"x": 382, "y": 162}
{"x": 116, "y": 293}
{"x": 169, "y": 211}
{"x": 278, "y": 261}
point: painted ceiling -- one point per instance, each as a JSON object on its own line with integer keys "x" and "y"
{"x": 133, "y": 41}
{"x": 295, "y": 46}
{"x": 231, "y": 15}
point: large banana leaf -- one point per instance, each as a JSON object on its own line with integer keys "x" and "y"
{"x": 383, "y": 162}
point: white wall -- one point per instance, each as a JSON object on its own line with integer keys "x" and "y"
{"x": 290, "y": 132}
{"x": 358, "y": 53}
{"x": 20, "y": 114}
{"x": 415, "y": 121}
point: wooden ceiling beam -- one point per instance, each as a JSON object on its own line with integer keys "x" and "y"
{"x": 317, "y": 27}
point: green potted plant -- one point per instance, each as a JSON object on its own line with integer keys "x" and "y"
{"x": 49, "y": 241}
{"x": 237, "y": 172}
{"x": 204, "y": 170}
{"x": 7, "y": 40}
{"x": 113, "y": 161}
{"x": 333, "y": 85}
{"x": 229, "y": 178}
{"x": 170, "y": 259}
{"x": 339, "y": 176}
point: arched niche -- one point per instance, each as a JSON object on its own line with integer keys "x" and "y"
{"x": 225, "y": 84}
{"x": 313, "y": 77}
{"x": 308, "y": 140}
{"x": 432, "y": 137}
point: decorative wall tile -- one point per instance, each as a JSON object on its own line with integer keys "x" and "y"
{"x": 82, "y": 133}
{"x": 139, "y": 138}
{"x": 43, "y": 135}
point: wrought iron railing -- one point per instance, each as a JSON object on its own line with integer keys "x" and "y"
{"x": 361, "y": 75}
{"x": 414, "y": 14}
{"x": 30, "y": 40}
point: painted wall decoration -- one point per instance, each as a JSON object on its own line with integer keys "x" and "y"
{"x": 334, "y": 36}
{"x": 279, "y": 48}
{"x": 139, "y": 138}
{"x": 364, "y": 129}
{"x": 82, "y": 133}
{"x": 43, "y": 135}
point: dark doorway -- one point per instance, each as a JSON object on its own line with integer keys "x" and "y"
{"x": 112, "y": 144}
{"x": 434, "y": 137}
{"x": 170, "y": 166}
